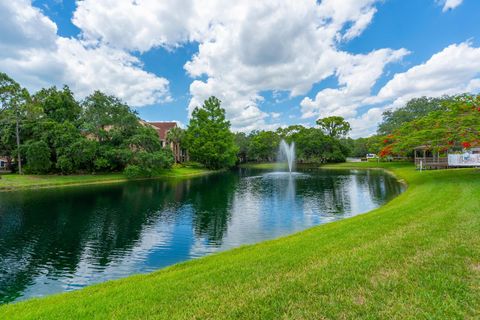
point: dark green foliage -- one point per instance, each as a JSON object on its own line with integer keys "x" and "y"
{"x": 334, "y": 126}
{"x": 208, "y": 137}
{"x": 162, "y": 159}
{"x": 101, "y": 134}
{"x": 14, "y": 104}
{"x": 311, "y": 145}
{"x": 147, "y": 164}
{"x": 414, "y": 109}
{"x": 58, "y": 105}
{"x": 361, "y": 146}
{"x": 242, "y": 142}
{"x": 133, "y": 171}
{"x": 107, "y": 119}
{"x": 176, "y": 137}
{"x": 264, "y": 145}
{"x": 145, "y": 139}
{"x": 38, "y": 157}
{"x": 79, "y": 157}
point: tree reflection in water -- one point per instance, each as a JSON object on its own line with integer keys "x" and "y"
{"x": 61, "y": 239}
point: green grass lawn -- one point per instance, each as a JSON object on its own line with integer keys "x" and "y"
{"x": 16, "y": 181}
{"x": 417, "y": 257}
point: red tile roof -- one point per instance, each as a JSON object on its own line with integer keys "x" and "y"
{"x": 163, "y": 127}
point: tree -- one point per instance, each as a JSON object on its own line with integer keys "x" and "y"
{"x": 12, "y": 99}
{"x": 108, "y": 119}
{"x": 243, "y": 144}
{"x": 312, "y": 145}
{"x": 414, "y": 109}
{"x": 263, "y": 145}
{"x": 334, "y": 126}
{"x": 176, "y": 136}
{"x": 58, "y": 105}
{"x": 145, "y": 139}
{"x": 38, "y": 157}
{"x": 117, "y": 129}
{"x": 362, "y": 146}
{"x": 208, "y": 136}
{"x": 457, "y": 124}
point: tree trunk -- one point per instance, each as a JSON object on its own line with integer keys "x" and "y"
{"x": 18, "y": 148}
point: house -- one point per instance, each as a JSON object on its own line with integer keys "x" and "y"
{"x": 162, "y": 128}
{"x": 3, "y": 163}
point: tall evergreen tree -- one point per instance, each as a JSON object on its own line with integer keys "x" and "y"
{"x": 208, "y": 137}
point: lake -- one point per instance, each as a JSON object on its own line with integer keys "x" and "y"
{"x": 56, "y": 240}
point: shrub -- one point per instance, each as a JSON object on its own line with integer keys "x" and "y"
{"x": 101, "y": 164}
{"x": 133, "y": 171}
{"x": 154, "y": 161}
{"x": 38, "y": 157}
{"x": 65, "y": 164}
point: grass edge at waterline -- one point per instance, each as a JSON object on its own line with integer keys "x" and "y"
{"x": 416, "y": 257}
{"x": 15, "y": 182}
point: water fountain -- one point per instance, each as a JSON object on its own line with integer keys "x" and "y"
{"x": 287, "y": 151}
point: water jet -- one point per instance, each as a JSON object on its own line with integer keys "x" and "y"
{"x": 287, "y": 152}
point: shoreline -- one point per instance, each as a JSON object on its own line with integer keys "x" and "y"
{"x": 380, "y": 255}
{"x": 110, "y": 178}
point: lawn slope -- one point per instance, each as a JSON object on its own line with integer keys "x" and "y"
{"x": 416, "y": 257}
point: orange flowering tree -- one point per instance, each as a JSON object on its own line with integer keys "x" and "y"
{"x": 456, "y": 125}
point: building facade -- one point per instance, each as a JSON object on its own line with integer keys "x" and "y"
{"x": 3, "y": 163}
{"x": 162, "y": 128}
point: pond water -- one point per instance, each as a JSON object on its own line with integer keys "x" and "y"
{"x": 56, "y": 240}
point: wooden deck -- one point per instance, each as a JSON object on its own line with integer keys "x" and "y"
{"x": 426, "y": 163}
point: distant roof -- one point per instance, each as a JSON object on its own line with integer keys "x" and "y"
{"x": 425, "y": 147}
{"x": 163, "y": 127}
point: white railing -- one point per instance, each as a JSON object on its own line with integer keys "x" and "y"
{"x": 464, "y": 160}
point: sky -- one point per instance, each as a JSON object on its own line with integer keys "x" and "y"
{"x": 272, "y": 63}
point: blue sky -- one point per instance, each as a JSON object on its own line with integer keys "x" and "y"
{"x": 272, "y": 64}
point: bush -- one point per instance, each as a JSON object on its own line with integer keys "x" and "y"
{"x": 154, "y": 161}
{"x": 65, "y": 165}
{"x": 83, "y": 154}
{"x": 38, "y": 157}
{"x": 147, "y": 164}
{"x": 101, "y": 164}
{"x": 117, "y": 157}
{"x": 133, "y": 171}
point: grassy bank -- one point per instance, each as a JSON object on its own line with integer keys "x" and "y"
{"x": 264, "y": 165}
{"x": 9, "y": 182}
{"x": 416, "y": 257}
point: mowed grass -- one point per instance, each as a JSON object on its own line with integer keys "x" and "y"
{"x": 16, "y": 181}
{"x": 417, "y": 257}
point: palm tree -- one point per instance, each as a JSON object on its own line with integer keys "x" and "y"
{"x": 175, "y": 136}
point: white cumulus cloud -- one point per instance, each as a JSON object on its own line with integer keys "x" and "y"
{"x": 356, "y": 77}
{"x": 450, "y": 4}
{"x": 455, "y": 69}
{"x": 245, "y": 47}
{"x": 32, "y": 53}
